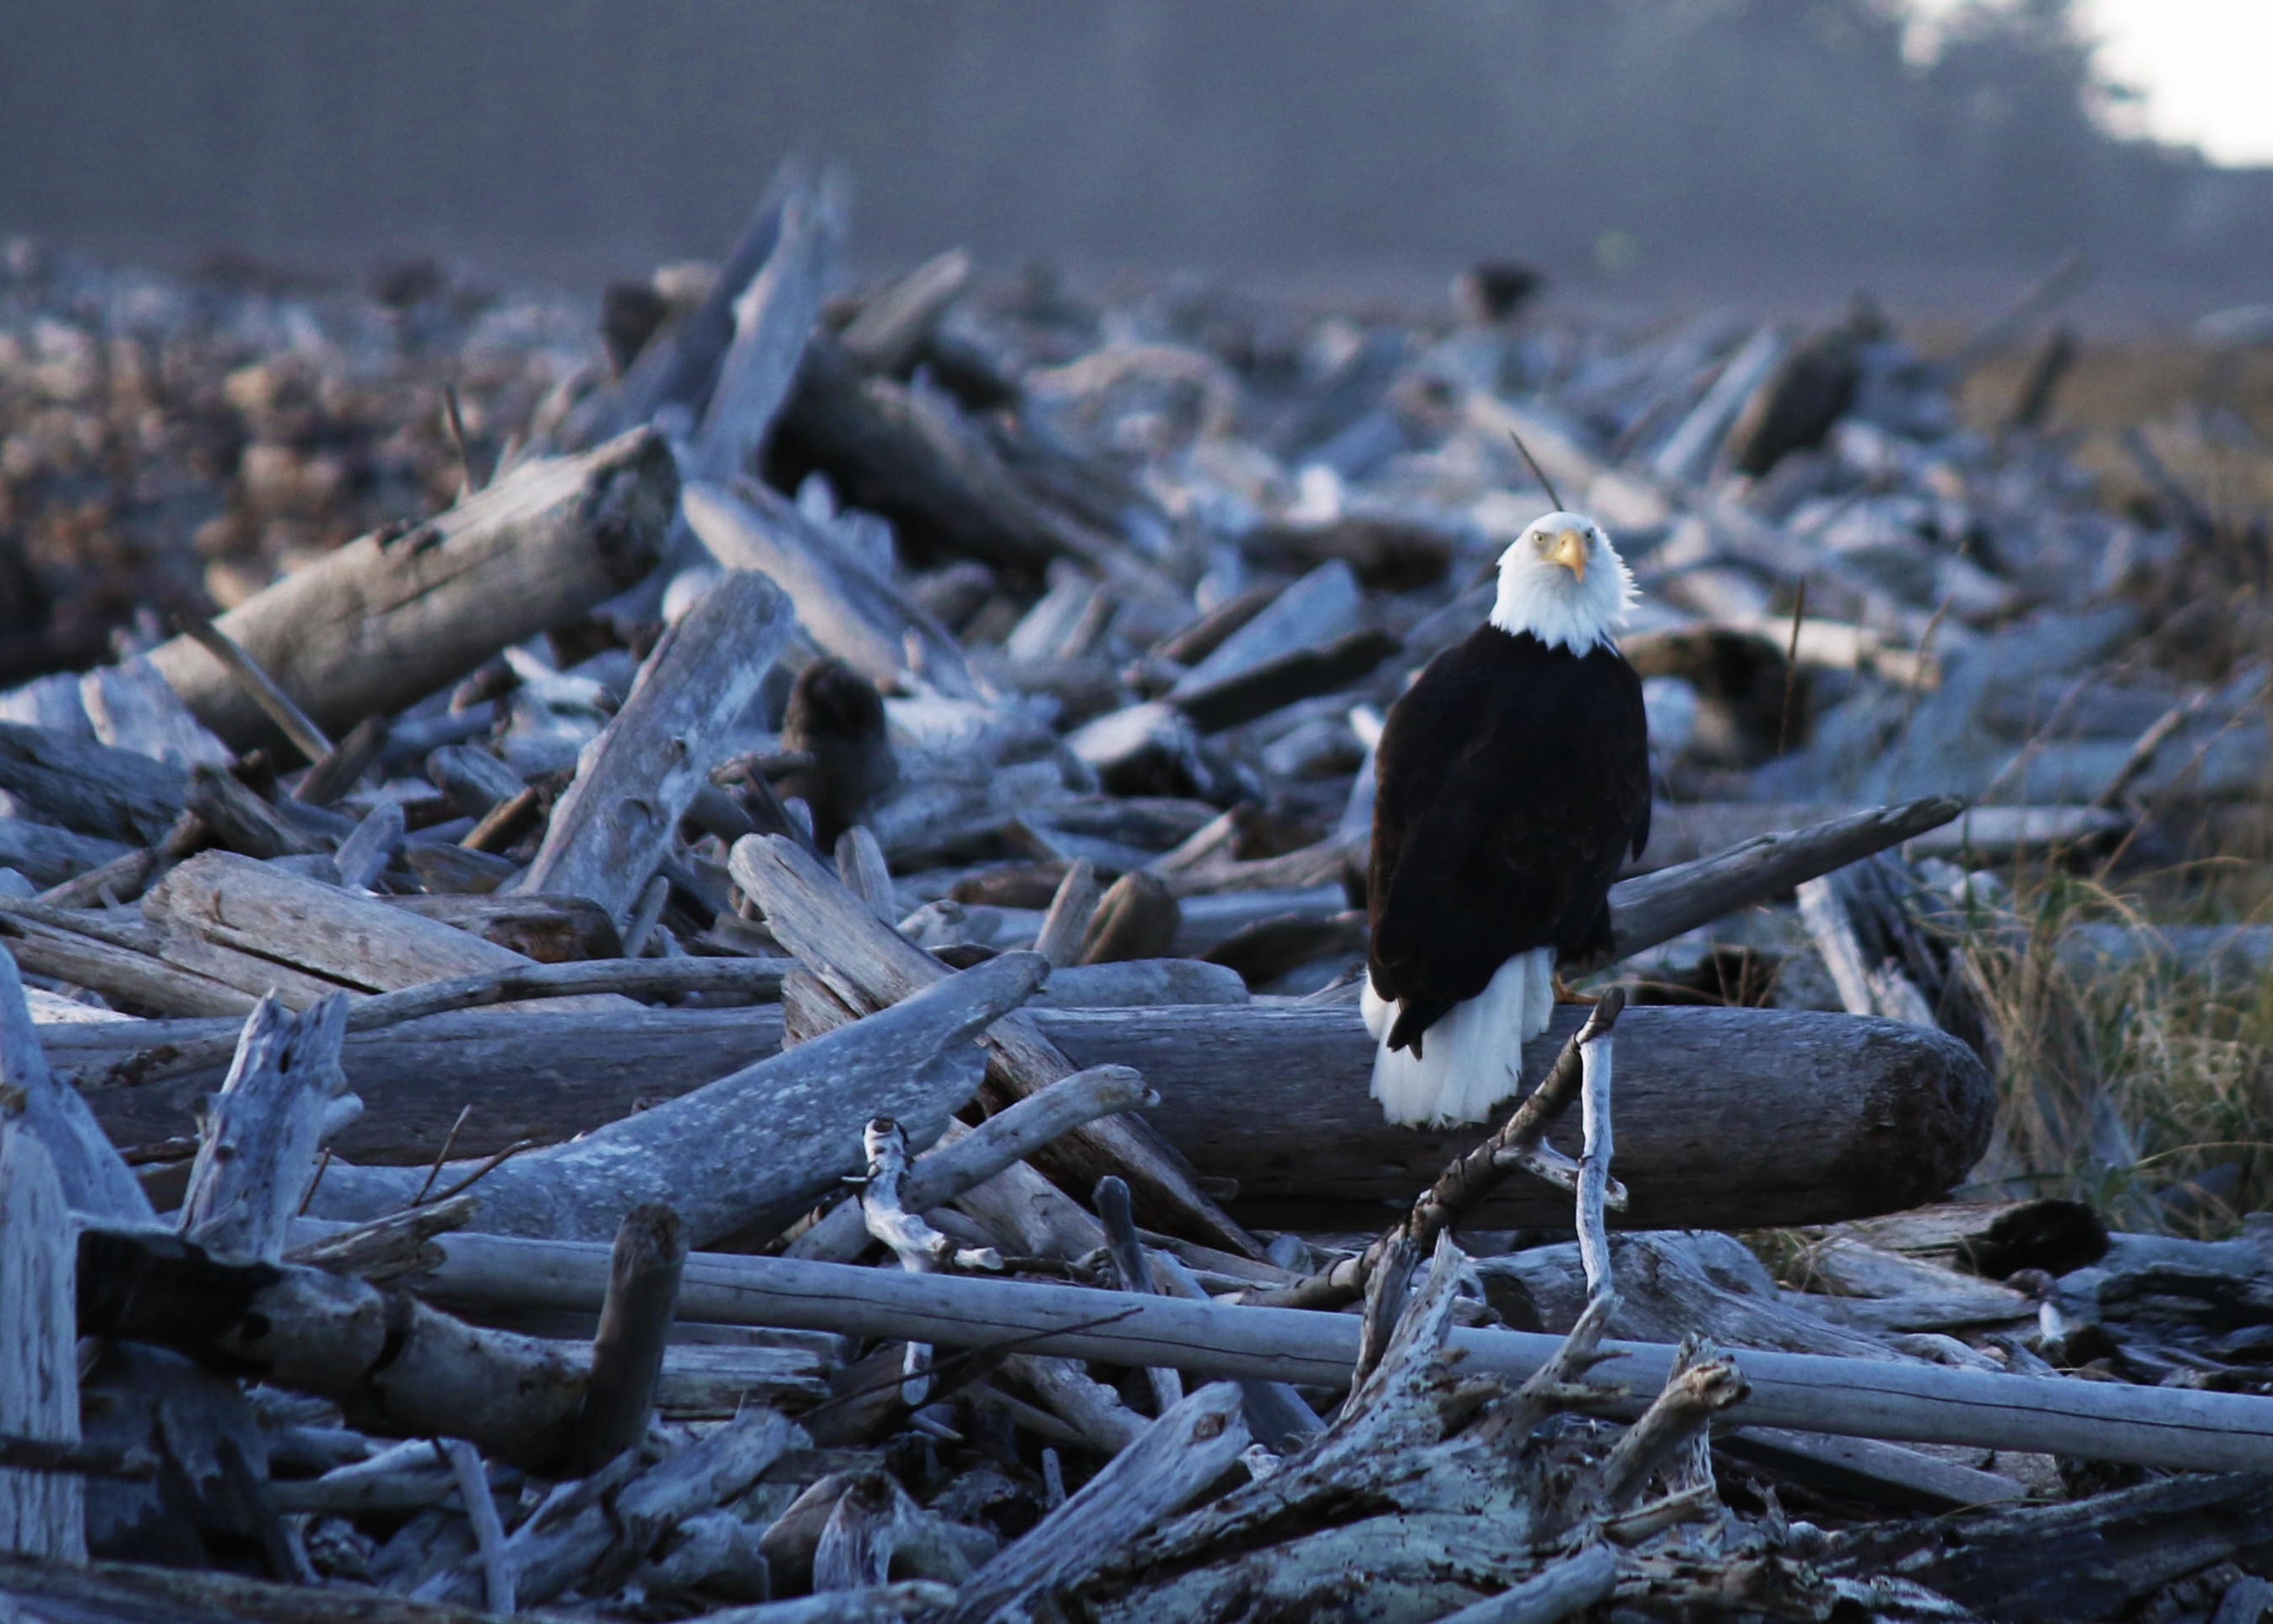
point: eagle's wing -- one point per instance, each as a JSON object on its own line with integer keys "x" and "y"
{"x": 1513, "y": 849}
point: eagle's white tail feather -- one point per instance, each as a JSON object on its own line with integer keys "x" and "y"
{"x": 1473, "y": 1058}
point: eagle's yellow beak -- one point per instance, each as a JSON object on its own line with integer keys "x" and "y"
{"x": 1569, "y": 550}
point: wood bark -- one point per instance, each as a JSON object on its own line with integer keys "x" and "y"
{"x": 753, "y": 1148}
{"x": 1657, "y": 908}
{"x": 2188, "y": 1430}
{"x": 390, "y": 618}
{"x": 42, "y": 1514}
{"x": 635, "y": 1321}
{"x": 634, "y": 782}
{"x": 848, "y": 611}
{"x": 93, "y": 1177}
{"x": 867, "y": 966}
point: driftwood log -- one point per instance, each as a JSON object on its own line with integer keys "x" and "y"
{"x": 2188, "y": 1429}
{"x": 389, "y": 619}
{"x": 635, "y": 781}
{"x": 1871, "y": 1116}
{"x": 752, "y": 1148}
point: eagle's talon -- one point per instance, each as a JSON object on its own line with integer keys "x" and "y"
{"x": 1563, "y": 993}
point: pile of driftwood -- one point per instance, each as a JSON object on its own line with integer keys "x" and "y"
{"x": 757, "y": 1015}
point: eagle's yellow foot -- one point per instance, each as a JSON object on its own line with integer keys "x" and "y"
{"x": 1564, "y": 994}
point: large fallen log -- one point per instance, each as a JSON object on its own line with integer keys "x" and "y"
{"x": 390, "y": 617}
{"x": 751, "y": 1149}
{"x": 2187, "y": 1429}
{"x": 1731, "y": 1118}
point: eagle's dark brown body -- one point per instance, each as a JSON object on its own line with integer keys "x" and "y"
{"x": 1511, "y": 780}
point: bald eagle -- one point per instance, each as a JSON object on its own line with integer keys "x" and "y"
{"x": 1511, "y": 780}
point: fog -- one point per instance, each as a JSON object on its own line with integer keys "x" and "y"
{"x": 1293, "y": 137}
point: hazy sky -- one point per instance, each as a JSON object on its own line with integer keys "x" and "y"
{"x": 2202, "y": 63}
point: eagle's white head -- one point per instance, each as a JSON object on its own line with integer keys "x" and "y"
{"x": 1562, "y": 581}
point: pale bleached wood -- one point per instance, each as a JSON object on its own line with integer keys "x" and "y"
{"x": 132, "y": 709}
{"x": 1066, "y": 923}
{"x": 959, "y": 1164}
{"x": 753, "y": 1147}
{"x": 391, "y": 617}
{"x": 89, "y": 788}
{"x": 92, "y": 1176}
{"x": 846, "y": 608}
{"x": 1594, "y": 1056}
{"x": 42, "y": 1513}
{"x": 634, "y": 782}
{"x": 2187, "y": 1429}
{"x": 773, "y": 318}
{"x": 357, "y": 943}
{"x": 860, "y": 865}
{"x": 473, "y": 1484}
{"x": 138, "y": 982}
{"x": 892, "y": 326}
{"x": 867, "y": 966}
{"x": 920, "y": 1248}
{"x": 257, "y": 1146}
{"x": 1177, "y": 1457}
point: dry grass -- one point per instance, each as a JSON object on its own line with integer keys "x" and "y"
{"x": 2122, "y": 1080}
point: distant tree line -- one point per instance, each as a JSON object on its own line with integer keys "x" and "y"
{"x": 1274, "y": 133}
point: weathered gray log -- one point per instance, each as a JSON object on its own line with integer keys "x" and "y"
{"x": 847, "y": 609}
{"x": 1319, "y": 608}
{"x": 47, "y": 856}
{"x": 131, "y": 708}
{"x": 1868, "y": 1117}
{"x": 473, "y": 778}
{"x": 1273, "y": 685}
{"x": 257, "y": 1146}
{"x": 892, "y": 326}
{"x": 1681, "y": 833}
{"x": 364, "y": 854}
{"x": 128, "y": 977}
{"x": 41, "y": 1514}
{"x": 1177, "y": 1457}
{"x": 1135, "y": 982}
{"x": 1066, "y": 923}
{"x": 89, "y": 788}
{"x": 241, "y": 821}
{"x": 473, "y": 1484}
{"x": 634, "y": 782}
{"x": 1657, "y": 908}
{"x": 868, "y": 966}
{"x": 635, "y": 1320}
{"x": 395, "y": 1364}
{"x": 773, "y": 318}
{"x": 334, "y": 776}
{"x": 947, "y": 1171}
{"x": 93, "y": 1177}
{"x": 752, "y": 1148}
{"x": 2190, "y": 1430}
{"x": 1136, "y": 918}
{"x": 354, "y": 941}
{"x": 1126, "y": 1249}
{"x": 389, "y": 619}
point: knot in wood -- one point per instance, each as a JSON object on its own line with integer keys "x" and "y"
{"x": 1207, "y": 1427}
